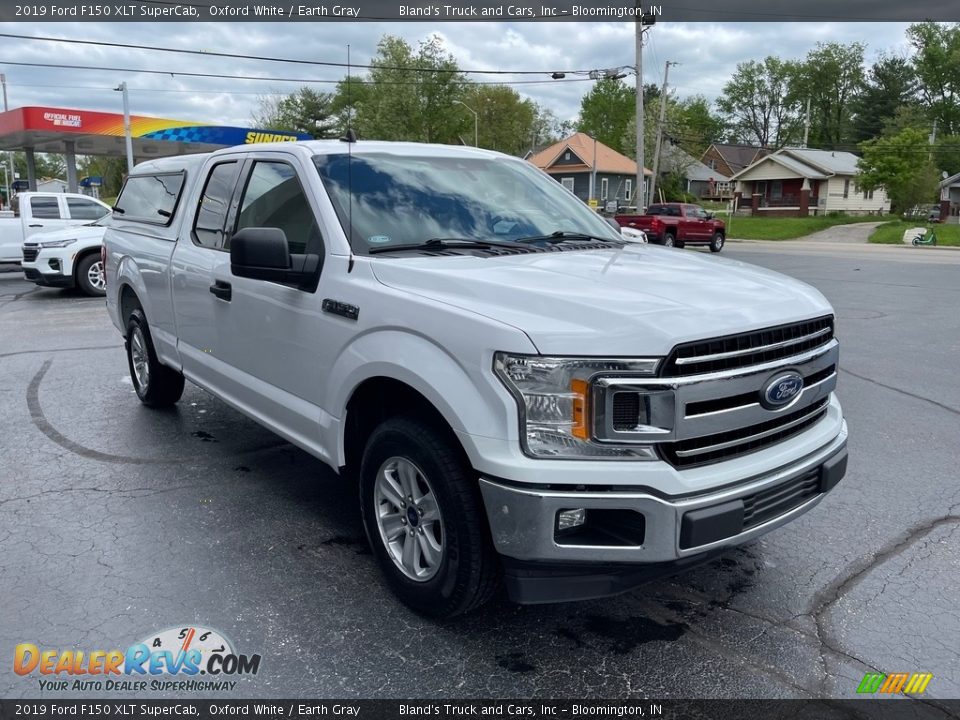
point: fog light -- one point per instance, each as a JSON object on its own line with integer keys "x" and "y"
{"x": 567, "y": 519}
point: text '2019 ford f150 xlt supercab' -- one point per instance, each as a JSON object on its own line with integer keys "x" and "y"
{"x": 526, "y": 401}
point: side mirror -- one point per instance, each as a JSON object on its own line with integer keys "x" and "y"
{"x": 708, "y": 216}
{"x": 262, "y": 253}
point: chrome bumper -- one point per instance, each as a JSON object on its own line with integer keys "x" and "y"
{"x": 523, "y": 520}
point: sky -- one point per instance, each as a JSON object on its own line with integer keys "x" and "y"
{"x": 707, "y": 54}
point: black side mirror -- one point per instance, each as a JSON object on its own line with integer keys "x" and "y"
{"x": 262, "y": 253}
{"x": 708, "y": 216}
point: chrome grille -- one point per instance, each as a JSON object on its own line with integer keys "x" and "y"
{"x": 30, "y": 252}
{"x": 733, "y": 443}
{"x": 746, "y": 349}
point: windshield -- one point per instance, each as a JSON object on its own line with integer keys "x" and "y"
{"x": 409, "y": 200}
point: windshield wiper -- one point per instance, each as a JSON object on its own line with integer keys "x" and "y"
{"x": 443, "y": 243}
{"x": 560, "y": 236}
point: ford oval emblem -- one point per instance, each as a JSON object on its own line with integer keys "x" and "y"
{"x": 781, "y": 390}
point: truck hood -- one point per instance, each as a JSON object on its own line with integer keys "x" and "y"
{"x": 76, "y": 232}
{"x": 638, "y": 300}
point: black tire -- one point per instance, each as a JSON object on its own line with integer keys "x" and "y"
{"x": 669, "y": 240}
{"x": 90, "y": 264}
{"x": 468, "y": 572}
{"x": 159, "y": 386}
{"x": 716, "y": 242}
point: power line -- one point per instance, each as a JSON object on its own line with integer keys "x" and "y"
{"x": 295, "y": 61}
{"x": 260, "y": 78}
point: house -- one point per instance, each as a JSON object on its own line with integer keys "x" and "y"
{"x": 581, "y": 164}
{"x": 729, "y": 159}
{"x": 699, "y": 180}
{"x": 950, "y": 199}
{"x": 54, "y": 185}
{"x": 801, "y": 181}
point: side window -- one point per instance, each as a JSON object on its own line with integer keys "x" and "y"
{"x": 208, "y": 227}
{"x": 81, "y": 209}
{"x": 150, "y": 198}
{"x": 274, "y": 198}
{"x": 45, "y": 208}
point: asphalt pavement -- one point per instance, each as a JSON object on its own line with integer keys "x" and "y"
{"x": 117, "y": 521}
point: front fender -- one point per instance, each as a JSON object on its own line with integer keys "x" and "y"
{"x": 468, "y": 395}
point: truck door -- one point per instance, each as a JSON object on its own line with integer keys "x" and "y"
{"x": 45, "y": 213}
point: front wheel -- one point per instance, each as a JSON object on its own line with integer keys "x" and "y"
{"x": 89, "y": 275}
{"x": 156, "y": 384}
{"x": 425, "y": 519}
{"x": 716, "y": 242}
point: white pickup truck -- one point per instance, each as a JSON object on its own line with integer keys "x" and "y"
{"x": 527, "y": 402}
{"x": 42, "y": 212}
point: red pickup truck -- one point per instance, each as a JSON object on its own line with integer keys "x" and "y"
{"x": 678, "y": 224}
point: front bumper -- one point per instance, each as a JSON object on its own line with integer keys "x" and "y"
{"x": 49, "y": 279}
{"x": 673, "y": 532}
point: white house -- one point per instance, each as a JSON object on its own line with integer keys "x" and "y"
{"x": 801, "y": 181}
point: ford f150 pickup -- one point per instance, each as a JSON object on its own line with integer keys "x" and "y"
{"x": 42, "y": 212}
{"x": 526, "y": 401}
{"x": 678, "y": 224}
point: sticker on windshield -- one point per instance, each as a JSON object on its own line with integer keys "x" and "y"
{"x": 378, "y": 239}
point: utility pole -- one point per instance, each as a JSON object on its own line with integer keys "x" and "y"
{"x": 10, "y": 176}
{"x": 641, "y": 194}
{"x": 656, "y": 152}
{"x": 933, "y": 138}
{"x": 476, "y": 125}
{"x": 806, "y": 125}
{"x": 122, "y": 87}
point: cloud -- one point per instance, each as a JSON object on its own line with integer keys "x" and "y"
{"x": 707, "y": 52}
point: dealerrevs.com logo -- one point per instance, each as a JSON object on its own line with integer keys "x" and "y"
{"x": 181, "y": 659}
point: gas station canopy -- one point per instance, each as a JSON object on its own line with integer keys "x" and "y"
{"x": 86, "y": 132}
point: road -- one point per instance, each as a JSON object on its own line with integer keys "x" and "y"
{"x": 117, "y": 521}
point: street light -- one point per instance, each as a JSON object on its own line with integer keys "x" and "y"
{"x": 476, "y": 142}
{"x": 122, "y": 87}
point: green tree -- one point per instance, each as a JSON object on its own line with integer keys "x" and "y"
{"x": 694, "y": 126}
{"x": 937, "y": 64}
{"x": 410, "y": 94}
{"x": 759, "y": 105}
{"x": 112, "y": 169}
{"x": 505, "y": 121}
{"x": 891, "y": 84}
{"x": 606, "y": 111}
{"x": 304, "y": 111}
{"x": 901, "y": 164}
{"x": 831, "y": 78}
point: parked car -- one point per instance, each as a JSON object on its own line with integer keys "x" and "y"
{"x": 677, "y": 225}
{"x": 930, "y": 213}
{"x": 525, "y": 400}
{"x": 67, "y": 258}
{"x": 42, "y": 212}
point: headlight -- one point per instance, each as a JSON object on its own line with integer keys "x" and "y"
{"x": 57, "y": 243}
{"x": 555, "y": 400}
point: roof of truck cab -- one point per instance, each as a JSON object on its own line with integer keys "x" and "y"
{"x": 361, "y": 147}
{"x": 174, "y": 163}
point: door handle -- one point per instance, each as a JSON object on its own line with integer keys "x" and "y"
{"x": 37, "y": 225}
{"x": 222, "y": 290}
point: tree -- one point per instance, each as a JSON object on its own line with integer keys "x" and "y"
{"x": 410, "y": 95}
{"x": 606, "y": 111}
{"x": 305, "y": 111}
{"x": 892, "y": 84}
{"x": 901, "y": 164}
{"x": 937, "y": 66}
{"x": 759, "y": 105}
{"x": 831, "y": 78}
{"x": 693, "y": 125}
{"x": 112, "y": 169}
{"x": 505, "y": 121}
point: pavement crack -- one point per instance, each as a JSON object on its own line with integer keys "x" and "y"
{"x": 940, "y": 405}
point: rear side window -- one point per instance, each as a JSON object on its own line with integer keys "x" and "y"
{"x": 150, "y": 198}
{"x": 81, "y": 209}
{"x": 274, "y": 198}
{"x": 208, "y": 228}
{"x": 45, "y": 208}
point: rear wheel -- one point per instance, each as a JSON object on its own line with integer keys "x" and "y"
{"x": 89, "y": 276}
{"x": 156, "y": 384}
{"x": 425, "y": 519}
{"x": 716, "y": 242}
{"x": 669, "y": 240}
